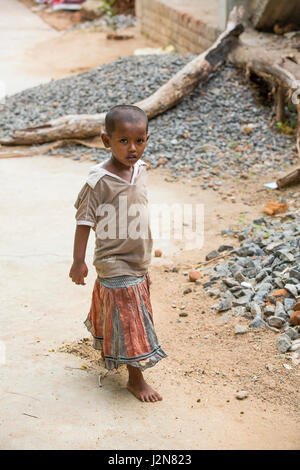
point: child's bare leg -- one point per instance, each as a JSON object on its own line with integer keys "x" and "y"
{"x": 137, "y": 385}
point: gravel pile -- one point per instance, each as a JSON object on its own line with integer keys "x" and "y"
{"x": 261, "y": 279}
{"x": 220, "y": 128}
{"x": 106, "y": 23}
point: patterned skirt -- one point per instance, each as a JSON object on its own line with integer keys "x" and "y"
{"x": 121, "y": 322}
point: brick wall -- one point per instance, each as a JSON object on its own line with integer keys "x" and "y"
{"x": 166, "y": 25}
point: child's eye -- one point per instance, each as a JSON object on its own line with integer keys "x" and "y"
{"x": 140, "y": 141}
{"x": 124, "y": 141}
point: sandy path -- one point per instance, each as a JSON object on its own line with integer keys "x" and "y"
{"x": 42, "y": 309}
{"x": 20, "y": 30}
{"x": 32, "y": 52}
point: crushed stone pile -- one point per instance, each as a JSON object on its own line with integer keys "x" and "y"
{"x": 221, "y": 128}
{"x": 260, "y": 280}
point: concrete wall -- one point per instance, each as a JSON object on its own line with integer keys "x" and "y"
{"x": 167, "y": 25}
{"x": 265, "y": 13}
{"x": 225, "y": 7}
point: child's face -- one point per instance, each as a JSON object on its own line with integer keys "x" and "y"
{"x": 127, "y": 142}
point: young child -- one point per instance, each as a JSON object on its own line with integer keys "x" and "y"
{"x": 114, "y": 203}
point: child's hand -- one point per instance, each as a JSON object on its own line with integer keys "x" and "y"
{"x": 78, "y": 272}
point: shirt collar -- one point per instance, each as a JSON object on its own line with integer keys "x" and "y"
{"x": 97, "y": 172}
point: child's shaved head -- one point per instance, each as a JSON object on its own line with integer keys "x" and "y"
{"x": 124, "y": 113}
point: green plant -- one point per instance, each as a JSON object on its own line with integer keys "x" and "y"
{"x": 233, "y": 145}
{"x": 287, "y": 127}
{"x": 242, "y": 219}
{"x": 107, "y": 7}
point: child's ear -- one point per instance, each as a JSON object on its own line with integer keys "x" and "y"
{"x": 105, "y": 140}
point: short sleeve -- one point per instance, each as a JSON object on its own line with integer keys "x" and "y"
{"x": 86, "y": 204}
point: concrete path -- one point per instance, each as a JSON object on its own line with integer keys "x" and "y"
{"x": 20, "y": 29}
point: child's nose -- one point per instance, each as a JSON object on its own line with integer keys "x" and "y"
{"x": 132, "y": 146}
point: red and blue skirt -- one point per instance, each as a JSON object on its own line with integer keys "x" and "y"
{"x": 121, "y": 322}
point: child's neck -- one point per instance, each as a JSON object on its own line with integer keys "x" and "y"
{"x": 123, "y": 171}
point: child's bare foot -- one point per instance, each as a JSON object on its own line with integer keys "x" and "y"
{"x": 140, "y": 389}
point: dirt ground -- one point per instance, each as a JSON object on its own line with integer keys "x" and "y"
{"x": 215, "y": 356}
{"x": 49, "y": 380}
{"x": 67, "y": 53}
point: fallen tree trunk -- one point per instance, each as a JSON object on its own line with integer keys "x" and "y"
{"x": 167, "y": 96}
{"x": 281, "y": 72}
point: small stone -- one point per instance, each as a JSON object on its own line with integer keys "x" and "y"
{"x": 295, "y": 273}
{"x": 291, "y": 333}
{"x": 241, "y": 395}
{"x": 257, "y": 323}
{"x": 213, "y": 254}
{"x": 187, "y": 291}
{"x": 295, "y": 318}
{"x": 238, "y": 311}
{"x": 279, "y": 310}
{"x": 247, "y": 285}
{"x": 289, "y": 304}
{"x": 157, "y": 253}
{"x": 276, "y": 322}
{"x": 269, "y": 310}
{"x": 240, "y": 329}
{"x": 255, "y": 309}
{"x": 295, "y": 345}
{"x": 183, "y": 314}
{"x": 226, "y": 304}
{"x": 194, "y": 275}
{"x": 292, "y": 289}
{"x": 283, "y": 343}
{"x": 279, "y": 293}
{"x": 208, "y": 284}
{"x": 240, "y": 277}
{"x": 224, "y": 248}
{"x": 230, "y": 282}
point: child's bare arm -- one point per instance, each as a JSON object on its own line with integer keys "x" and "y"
{"x": 79, "y": 268}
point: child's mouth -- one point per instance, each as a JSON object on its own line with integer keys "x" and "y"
{"x": 131, "y": 157}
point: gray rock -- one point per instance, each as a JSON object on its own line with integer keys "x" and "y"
{"x": 283, "y": 343}
{"x": 268, "y": 261}
{"x": 255, "y": 309}
{"x": 240, "y": 329}
{"x": 245, "y": 300}
{"x": 213, "y": 254}
{"x": 224, "y": 248}
{"x": 291, "y": 333}
{"x": 276, "y": 322}
{"x": 230, "y": 282}
{"x": 279, "y": 309}
{"x": 274, "y": 246}
{"x": 240, "y": 277}
{"x": 187, "y": 291}
{"x": 295, "y": 273}
{"x": 257, "y": 323}
{"x": 269, "y": 310}
{"x": 292, "y": 289}
{"x": 238, "y": 311}
{"x": 261, "y": 275}
{"x": 226, "y": 304}
{"x": 289, "y": 304}
{"x": 242, "y": 395}
{"x": 213, "y": 292}
{"x": 295, "y": 345}
{"x": 286, "y": 256}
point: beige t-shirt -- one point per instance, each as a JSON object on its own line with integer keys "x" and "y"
{"x": 118, "y": 212}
